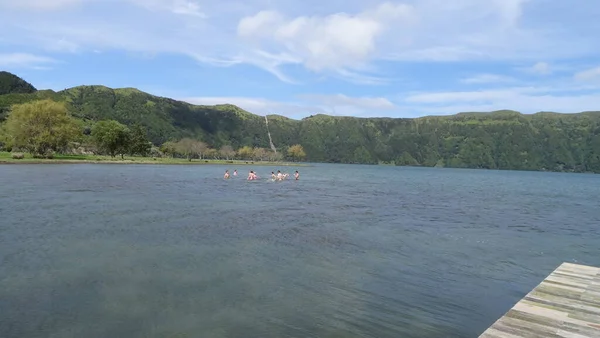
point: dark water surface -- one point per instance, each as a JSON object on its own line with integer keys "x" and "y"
{"x": 347, "y": 251}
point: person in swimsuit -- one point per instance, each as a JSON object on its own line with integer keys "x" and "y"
{"x": 252, "y": 176}
{"x": 226, "y": 176}
{"x": 235, "y": 172}
{"x": 297, "y": 175}
{"x": 279, "y": 175}
{"x": 273, "y": 177}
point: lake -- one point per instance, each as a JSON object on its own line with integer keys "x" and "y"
{"x": 92, "y": 250}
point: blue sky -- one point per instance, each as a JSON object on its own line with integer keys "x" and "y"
{"x": 403, "y": 58}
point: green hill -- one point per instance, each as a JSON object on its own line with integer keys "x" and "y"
{"x": 496, "y": 140}
{"x": 12, "y": 84}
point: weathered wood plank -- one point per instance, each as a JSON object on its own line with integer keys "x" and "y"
{"x": 565, "y": 304}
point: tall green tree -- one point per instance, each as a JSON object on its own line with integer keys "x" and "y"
{"x": 138, "y": 141}
{"x": 169, "y": 148}
{"x": 3, "y": 137}
{"x": 40, "y": 127}
{"x": 112, "y": 137}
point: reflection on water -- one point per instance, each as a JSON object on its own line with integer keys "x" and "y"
{"x": 348, "y": 251}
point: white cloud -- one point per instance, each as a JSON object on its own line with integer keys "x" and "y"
{"x": 260, "y": 106}
{"x": 340, "y": 100}
{"x": 523, "y": 99}
{"x": 588, "y": 74}
{"x": 258, "y": 25}
{"x": 25, "y": 60}
{"x": 338, "y": 38}
{"x": 333, "y": 42}
{"x": 465, "y": 96}
{"x": 487, "y": 78}
{"x": 39, "y": 4}
{"x": 183, "y": 7}
{"x": 541, "y": 68}
{"x": 308, "y": 104}
{"x": 363, "y": 79}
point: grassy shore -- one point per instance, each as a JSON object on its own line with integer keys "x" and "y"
{"x": 6, "y": 158}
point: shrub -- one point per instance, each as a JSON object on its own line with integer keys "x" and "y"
{"x": 18, "y": 156}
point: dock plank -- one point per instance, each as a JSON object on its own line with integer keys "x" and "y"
{"x": 565, "y": 304}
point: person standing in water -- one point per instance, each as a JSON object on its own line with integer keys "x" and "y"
{"x": 252, "y": 176}
{"x": 279, "y": 175}
{"x": 235, "y": 172}
{"x": 297, "y": 175}
{"x": 226, "y": 176}
{"x": 273, "y": 177}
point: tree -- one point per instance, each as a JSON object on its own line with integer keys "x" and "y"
{"x": 275, "y": 157}
{"x": 138, "y": 141}
{"x": 211, "y": 153}
{"x": 227, "y": 152}
{"x": 190, "y": 148}
{"x": 168, "y": 148}
{"x": 259, "y": 154}
{"x": 40, "y": 127}
{"x": 3, "y": 137}
{"x": 185, "y": 147}
{"x": 406, "y": 159}
{"x": 111, "y": 136}
{"x": 199, "y": 148}
{"x": 296, "y": 152}
{"x": 245, "y": 153}
{"x": 362, "y": 155}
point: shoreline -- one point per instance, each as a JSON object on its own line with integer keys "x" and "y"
{"x": 125, "y": 162}
{"x": 146, "y": 161}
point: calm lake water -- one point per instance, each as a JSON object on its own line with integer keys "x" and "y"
{"x": 347, "y": 251}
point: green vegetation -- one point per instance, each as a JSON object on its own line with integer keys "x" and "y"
{"x": 9, "y": 158}
{"x": 12, "y": 84}
{"x": 111, "y": 137}
{"x": 40, "y": 127}
{"x": 496, "y": 140}
{"x": 296, "y": 152}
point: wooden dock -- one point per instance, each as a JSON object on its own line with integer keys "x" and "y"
{"x": 565, "y": 304}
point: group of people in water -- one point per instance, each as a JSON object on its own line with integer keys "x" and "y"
{"x": 275, "y": 177}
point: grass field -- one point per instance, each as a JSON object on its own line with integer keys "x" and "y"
{"x": 6, "y": 158}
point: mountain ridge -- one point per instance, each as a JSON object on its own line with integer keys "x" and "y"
{"x": 229, "y": 105}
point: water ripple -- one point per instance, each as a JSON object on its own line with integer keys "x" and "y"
{"x": 348, "y": 251}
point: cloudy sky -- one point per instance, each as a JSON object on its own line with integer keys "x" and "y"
{"x": 402, "y": 58}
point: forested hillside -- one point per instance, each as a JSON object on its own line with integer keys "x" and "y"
{"x": 496, "y": 140}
